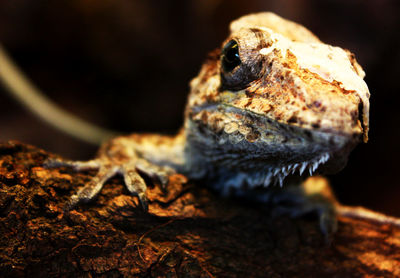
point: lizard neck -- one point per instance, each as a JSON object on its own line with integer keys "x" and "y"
{"x": 162, "y": 150}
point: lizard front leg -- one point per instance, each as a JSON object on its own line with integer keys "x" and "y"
{"x": 152, "y": 155}
{"x": 314, "y": 195}
{"x": 295, "y": 198}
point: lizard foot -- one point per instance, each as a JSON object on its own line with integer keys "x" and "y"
{"x": 313, "y": 196}
{"x": 108, "y": 165}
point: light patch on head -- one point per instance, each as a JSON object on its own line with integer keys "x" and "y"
{"x": 265, "y": 50}
{"x": 329, "y": 62}
{"x": 333, "y": 65}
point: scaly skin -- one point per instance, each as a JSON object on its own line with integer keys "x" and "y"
{"x": 272, "y": 103}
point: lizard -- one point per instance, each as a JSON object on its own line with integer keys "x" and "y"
{"x": 272, "y": 106}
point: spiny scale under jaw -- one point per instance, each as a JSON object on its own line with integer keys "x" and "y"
{"x": 279, "y": 174}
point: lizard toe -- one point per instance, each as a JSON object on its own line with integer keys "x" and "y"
{"x": 76, "y": 165}
{"x": 135, "y": 183}
{"x": 92, "y": 188}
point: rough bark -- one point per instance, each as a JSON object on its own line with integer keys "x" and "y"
{"x": 188, "y": 232}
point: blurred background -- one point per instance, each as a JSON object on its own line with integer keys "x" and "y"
{"x": 126, "y": 64}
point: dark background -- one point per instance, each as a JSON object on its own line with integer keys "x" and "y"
{"x": 126, "y": 64}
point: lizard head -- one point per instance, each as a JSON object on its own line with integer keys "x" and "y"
{"x": 276, "y": 98}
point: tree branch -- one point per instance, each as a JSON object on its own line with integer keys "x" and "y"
{"x": 188, "y": 231}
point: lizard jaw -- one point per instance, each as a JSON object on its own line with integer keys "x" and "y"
{"x": 268, "y": 151}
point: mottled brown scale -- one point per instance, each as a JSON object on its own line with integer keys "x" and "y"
{"x": 317, "y": 103}
{"x": 252, "y": 136}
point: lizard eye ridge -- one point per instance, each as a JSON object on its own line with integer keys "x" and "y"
{"x": 230, "y": 56}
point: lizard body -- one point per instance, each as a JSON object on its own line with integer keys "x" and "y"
{"x": 272, "y": 103}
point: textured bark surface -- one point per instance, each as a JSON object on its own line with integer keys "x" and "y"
{"x": 188, "y": 232}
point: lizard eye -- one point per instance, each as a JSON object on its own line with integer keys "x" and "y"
{"x": 238, "y": 70}
{"x": 230, "y": 56}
